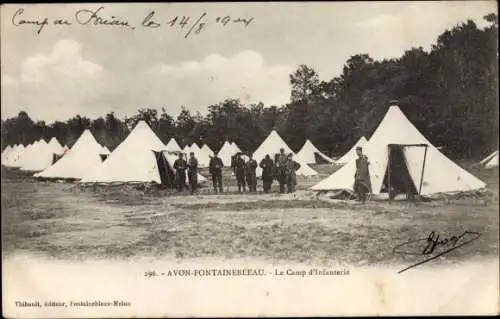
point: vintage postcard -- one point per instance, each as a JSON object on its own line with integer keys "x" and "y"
{"x": 249, "y": 159}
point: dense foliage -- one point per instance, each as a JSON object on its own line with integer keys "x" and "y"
{"x": 450, "y": 94}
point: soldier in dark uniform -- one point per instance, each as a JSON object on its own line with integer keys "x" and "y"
{"x": 267, "y": 166}
{"x": 192, "y": 173}
{"x": 362, "y": 183}
{"x": 239, "y": 171}
{"x": 291, "y": 176}
{"x": 251, "y": 176}
{"x": 281, "y": 173}
{"x": 180, "y": 166}
{"x": 215, "y": 168}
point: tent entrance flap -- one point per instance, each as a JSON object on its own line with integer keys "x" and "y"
{"x": 165, "y": 170}
{"x": 405, "y": 169}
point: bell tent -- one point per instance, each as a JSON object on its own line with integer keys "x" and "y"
{"x": 40, "y": 156}
{"x": 6, "y": 152}
{"x": 234, "y": 148}
{"x": 271, "y": 146}
{"x": 186, "y": 150}
{"x": 141, "y": 157}
{"x": 310, "y": 154}
{"x": 86, "y": 155}
{"x": 14, "y": 158}
{"x": 226, "y": 153}
{"x": 173, "y": 146}
{"x": 396, "y": 143}
{"x": 204, "y": 156}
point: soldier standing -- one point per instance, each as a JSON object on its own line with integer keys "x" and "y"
{"x": 362, "y": 183}
{"x": 251, "y": 166}
{"x": 291, "y": 168}
{"x": 239, "y": 171}
{"x": 267, "y": 166}
{"x": 281, "y": 173}
{"x": 215, "y": 168}
{"x": 180, "y": 166}
{"x": 192, "y": 173}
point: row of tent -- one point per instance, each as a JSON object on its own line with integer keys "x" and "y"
{"x": 142, "y": 157}
{"x": 41, "y": 156}
{"x": 308, "y": 154}
{"x": 133, "y": 160}
{"x": 203, "y": 154}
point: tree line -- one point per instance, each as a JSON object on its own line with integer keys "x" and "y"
{"x": 450, "y": 93}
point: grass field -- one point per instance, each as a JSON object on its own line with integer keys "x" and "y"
{"x": 69, "y": 221}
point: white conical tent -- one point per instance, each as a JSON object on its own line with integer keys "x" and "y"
{"x": 85, "y": 156}
{"x": 173, "y": 146}
{"x": 195, "y": 149}
{"x": 55, "y": 146}
{"x": 271, "y": 146}
{"x": 133, "y": 160}
{"x": 6, "y": 159}
{"x": 11, "y": 155}
{"x": 204, "y": 156}
{"x": 186, "y": 150}
{"x": 14, "y": 158}
{"x": 39, "y": 158}
{"x": 207, "y": 150}
{"x": 5, "y": 153}
{"x": 491, "y": 160}
{"x": 225, "y": 153}
{"x": 440, "y": 174}
{"x": 234, "y": 148}
{"x": 42, "y": 155}
{"x": 351, "y": 154}
{"x": 309, "y": 153}
{"x": 24, "y": 155}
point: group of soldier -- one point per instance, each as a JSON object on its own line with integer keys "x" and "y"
{"x": 283, "y": 168}
{"x": 180, "y": 167}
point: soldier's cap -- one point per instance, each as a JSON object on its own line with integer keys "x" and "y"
{"x": 359, "y": 148}
{"x": 192, "y": 153}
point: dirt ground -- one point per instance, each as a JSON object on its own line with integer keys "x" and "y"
{"x": 70, "y": 221}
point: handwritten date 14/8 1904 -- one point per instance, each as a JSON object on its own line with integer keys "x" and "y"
{"x": 97, "y": 18}
{"x": 434, "y": 246}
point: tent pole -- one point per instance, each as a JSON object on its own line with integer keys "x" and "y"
{"x": 389, "y": 173}
{"x": 422, "y": 174}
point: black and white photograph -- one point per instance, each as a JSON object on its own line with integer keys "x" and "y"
{"x": 249, "y": 159}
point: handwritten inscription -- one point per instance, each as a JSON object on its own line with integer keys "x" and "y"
{"x": 86, "y": 16}
{"x": 19, "y": 20}
{"x": 434, "y": 246}
{"x": 103, "y": 18}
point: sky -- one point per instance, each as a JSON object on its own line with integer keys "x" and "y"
{"x": 92, "y": 69}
